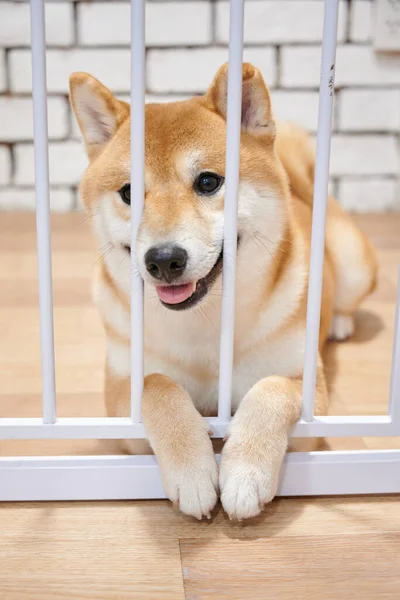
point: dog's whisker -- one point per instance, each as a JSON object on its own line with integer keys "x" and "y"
{"x": 206, "y": 316}
{"x": 104, "y": 251}
{"x": 258, "y": 241}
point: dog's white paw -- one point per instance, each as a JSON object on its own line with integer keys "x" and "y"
{"x": 193, "y": 487}
{"x": 342, "y": 328}
{"x": 246, "y": 487}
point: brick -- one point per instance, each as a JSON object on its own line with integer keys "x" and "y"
{"x": 157, "y": 98}
{"x": 178, "y": 23}
{"x": 3, "y": 79}
{"x": 386, "y": 30}
{"x": 364, "y": 155}
{"x": 67, "y": 161}
{"x": 277, "y": 21}
{"x": 361, "y": 65}
{"x": 355, "y": 65}
{"x": 300, "y": 107}
{"x": 61, "y": 199}
{"x": 15, "y": 29}
{"x": 300, "y": 66}
{"x": 5, "y": 165}
{"x": 169, "y": 23}
{"x": 361, "y": 20}
{"x": 16, "y": 118}
{"x": 173, "y": 70}
{"x": 111, "y": 66}
{"x": 369, "y": 194}
{"x": 369, "y": 110}
{"x": 164, "y": 98}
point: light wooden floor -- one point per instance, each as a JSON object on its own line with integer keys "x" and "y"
{"x": 299, "y": 548}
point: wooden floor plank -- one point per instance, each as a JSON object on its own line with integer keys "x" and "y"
{"x": 110, "y": 550}
{"x": 332, "y": 567}
{"x": 89, "y": 568}
{"x": 125, "y": 521}
{"x": 69, "y": 232}
{"x": 66, "y": 264}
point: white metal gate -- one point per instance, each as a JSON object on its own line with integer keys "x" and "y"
{"x": 121, "y": 477}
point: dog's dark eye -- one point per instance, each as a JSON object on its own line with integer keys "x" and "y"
{"x": 125, "y": 193}
{"x": 208, "y": 183}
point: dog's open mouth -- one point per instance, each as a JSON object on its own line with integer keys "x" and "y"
{"x": 187, "y": 295}
{"x": 181, "y": 297}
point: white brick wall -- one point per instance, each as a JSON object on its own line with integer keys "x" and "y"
{"x": 110, "y": 65}
{"x": 67, "y": 161}
{"x": 355, "y": 66}
{"x": 187, "y": 41}
{"x": 15, "y": 29}
{"x": 13, "y": 128}
{"x": 300, "y": 66}
{"x": 369, "y": 110}
{"x": 372, "y": 194}
{"x": 361, "y": 20}
{"x": 192, "y": 70}
{"x": 61, "y": 199}
{"x": 361, "y": 65}
{"x": 5, "y": 166}
{"x": 3, "y": 85}
{"x": 298, "y": 106}
{"x": 174, "y": 23}
{"x": 279, "y": 21}
{"x": 364, "y": 155}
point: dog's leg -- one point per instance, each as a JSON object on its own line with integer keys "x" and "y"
{"x": 355, "y": 265}
{"x": 179, "y": 437}
{"x": 258, "y": 440}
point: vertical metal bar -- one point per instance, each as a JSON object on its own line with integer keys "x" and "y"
{"x": 137, "y": 198}
{"x": 43, "y": 209}
{"x": 319, "y": 205}
{"x": 233, "y": 129}
{"x": 394, "y": 398}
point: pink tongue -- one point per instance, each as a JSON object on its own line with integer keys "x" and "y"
{"x": 174, "y": 294}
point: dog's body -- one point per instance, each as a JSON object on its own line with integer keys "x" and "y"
{"x": 185, "y": 141}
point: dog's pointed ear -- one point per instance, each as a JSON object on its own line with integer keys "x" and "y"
{"x": 98, "y": 112}
{"x": 256, "y": 103}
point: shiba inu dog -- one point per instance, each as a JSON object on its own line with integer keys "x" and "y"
{"x": 179, "y": 256}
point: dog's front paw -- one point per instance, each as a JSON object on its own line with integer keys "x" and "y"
{"x": 246, "y": 485}
{"x": 193, "y": 487}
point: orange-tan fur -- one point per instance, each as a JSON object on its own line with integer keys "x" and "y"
{"x": 182, "y": 348}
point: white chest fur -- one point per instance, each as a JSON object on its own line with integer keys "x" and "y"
{"x": 185, "y": 345}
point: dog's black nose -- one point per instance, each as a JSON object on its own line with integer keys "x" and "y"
{"x": 166, "y": 262}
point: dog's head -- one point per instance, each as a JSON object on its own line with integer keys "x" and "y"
{"x": 180, "y": 240}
